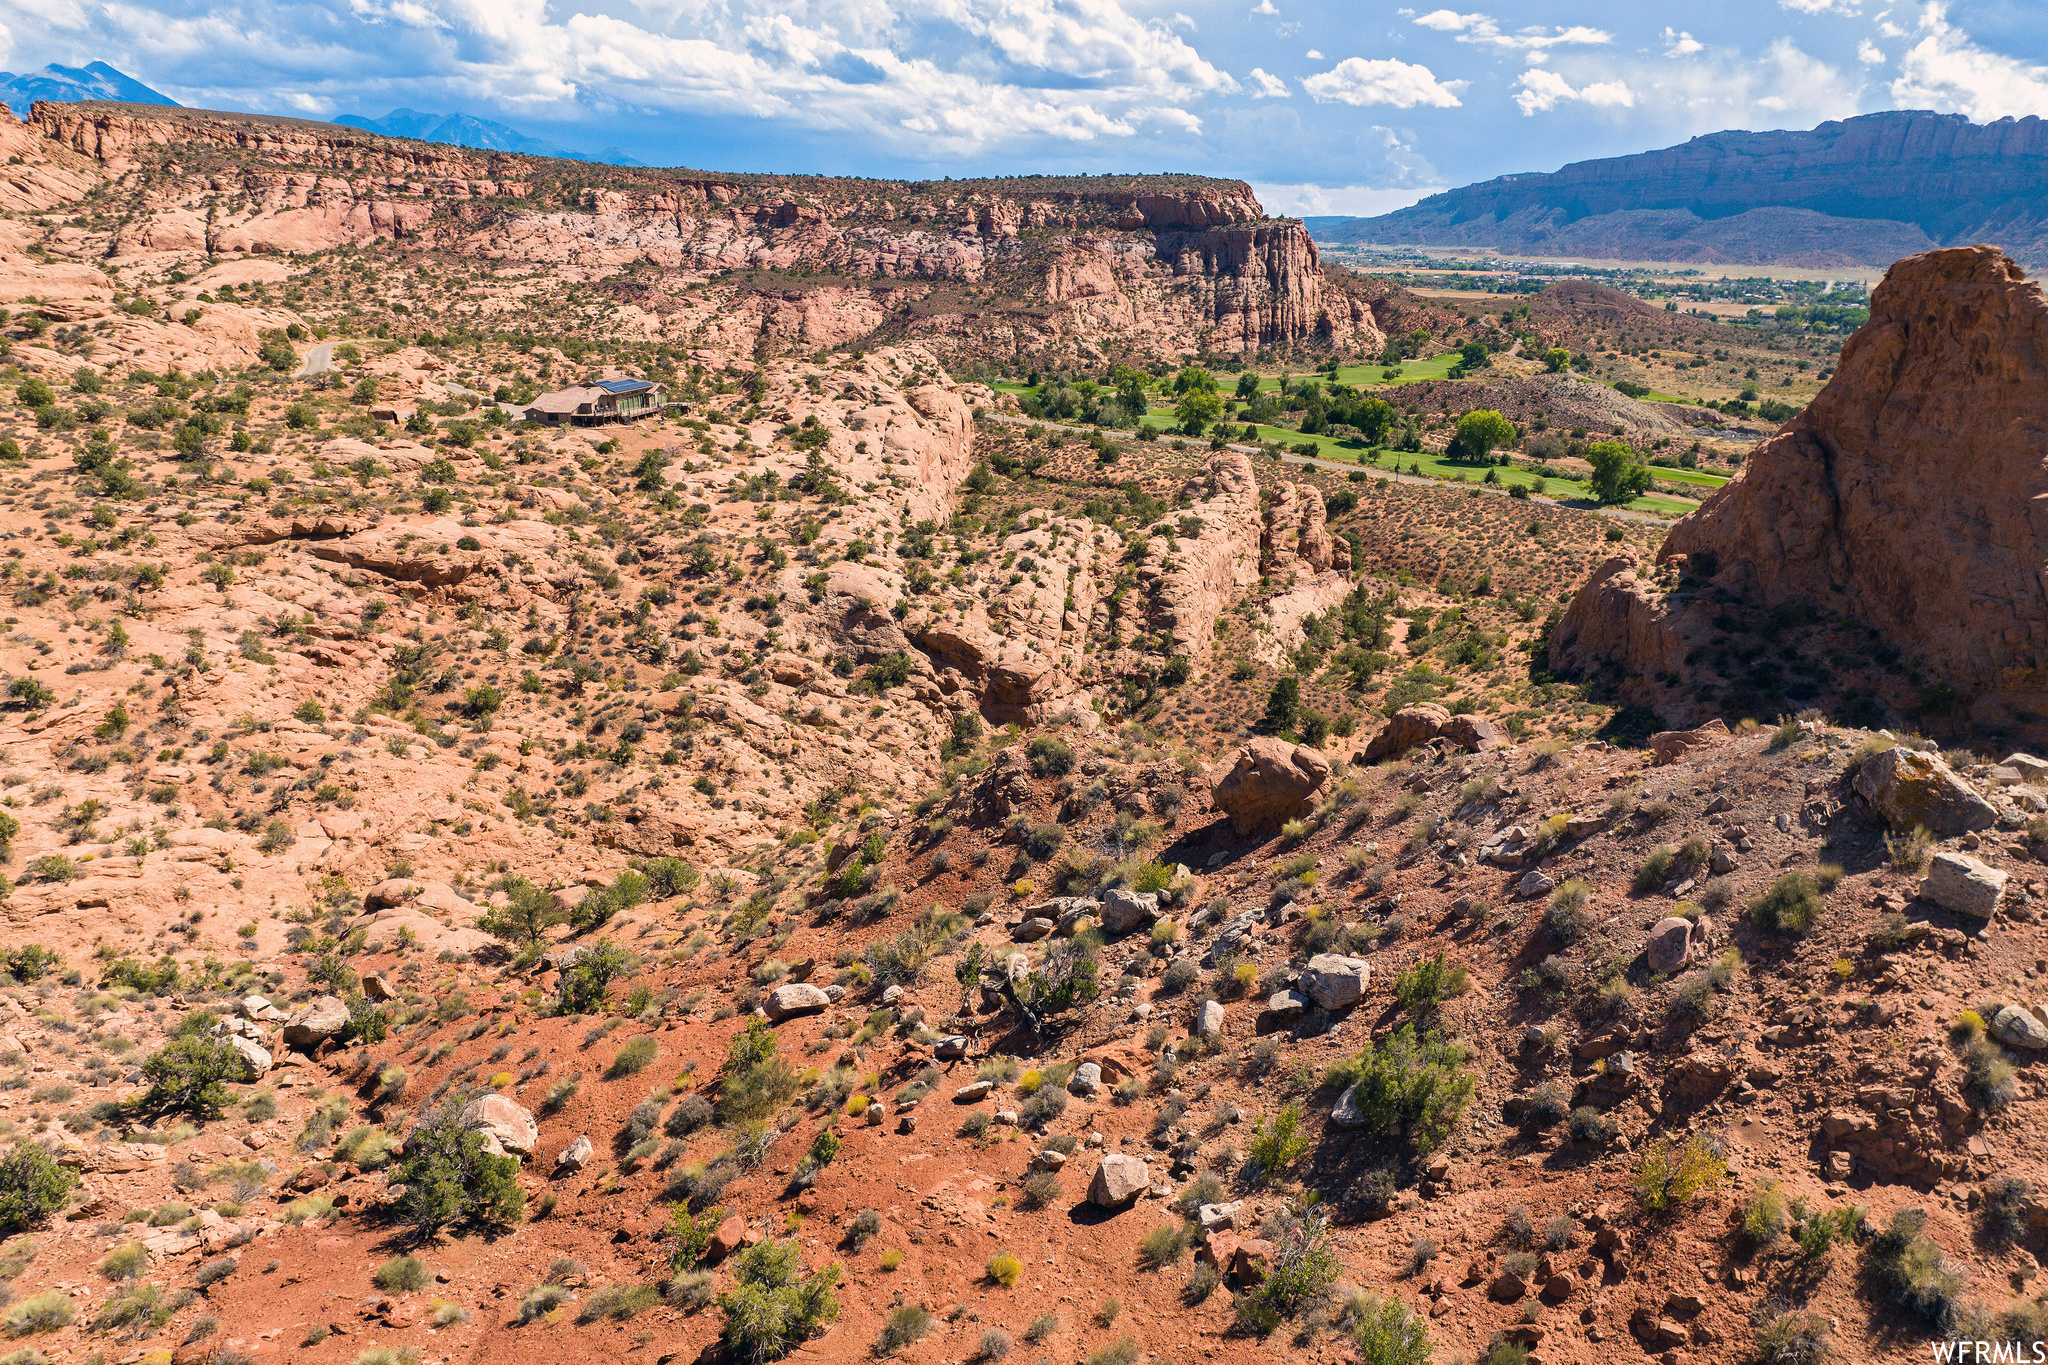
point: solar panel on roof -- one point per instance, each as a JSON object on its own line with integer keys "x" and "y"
{"x": 623, "y": 385}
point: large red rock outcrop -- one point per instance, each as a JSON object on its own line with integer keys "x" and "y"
{"x": 1911, "y": 496}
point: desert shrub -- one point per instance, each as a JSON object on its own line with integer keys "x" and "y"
{"x": 1784, "y": 1337}
{"x": 450, "y": 1177}
{"x": 904, "y": 1325}
{"x": 32, "y": 1186}
{"x": 618, "y": 1303}
{"x": 2006, "y": 1202}
{"x": 1906, "y": 851}
{"x": 45, "y": 1312}
{"x": 1791, "y": 906}
{"x": 1163, "y": 1246}
{"x": 1276, "y": 1144}
{"x": 1567, "y": 916}
{"x": 213, "y": 1272}
{"x": 633, "y": 1058}
{"x": 587, "y": 979}
{"x": 1907, "y": 1269}
{"x": 1040, "y": 1327}
{"x": 686, "y": 1118}
{"x": 1300, "y": 1270}
{"x": 690, "y": 1290}
{"x": 1049, "y": 757}
{"x": 1549, "y": 1103}
{"x": 993, "y": 1346}
{"x": 865, "y": 1225}
{"x": 1408, "y": 1084}
{"x": 1201, "y": 1283}
{"x": 401, "y": 1274}
{"x": 1651, "y": 872}
{"x": 1047, "y": 1103}
{"x": 754, "y": 1081}
{"x": 1764, "y": 1218}
{"x": 189, "y": 1075}
{"x": 137, "y": 1311}
{"x": 1180, "y": 974}
{"x": 1422, "y": 989}
{"x": 125, "y": 1262}
{"x": 1040, "y": 1189}
{"x": 1988, "y": 1082}
{"x": 540, "y": 1303}
{"x": 1672, "y": 1173}
{"x": 1005, "y": 1269}
{"x": 1387, "y": 1333}
{"x": 1591, "y": 1126}
{"x": 773, "y": 1307}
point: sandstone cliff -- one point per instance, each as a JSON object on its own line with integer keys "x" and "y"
{"x": 1078, "y": 268}
{"x": 1907, "y": 498}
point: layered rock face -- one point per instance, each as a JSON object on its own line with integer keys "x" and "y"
{"x": 1907, "y": 497}
{"x": 1144, "y": 263}
{"x": 1867, "y": 189}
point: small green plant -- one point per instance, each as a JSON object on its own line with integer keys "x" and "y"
{"x": 1387, "y": 1333}
{"x": 1671, "y": 1173}
{"x": 125, "y": 1262}
{"x": 1566, "y": 915}
{"x": 1967, "y": 1028}
{"x": 773, "y": 1307}
{"x": 1911, "y": 1271}
{"x": 1764, "y": 1218}
{"x": 1792, "y": 905}
{"x": 45, "y": 1312}
{"x": 1276, "y": 1144}
{"x": 636, "y": 1056}
{"x": 1784, "y": 1337}
{"x": 1908, "y": 851}
{"x": 1163, "y": 1246}
{"x": 904, "y": 1326}
{"x": 401, "y": 1275}
{"x": 1005, "y": 1269}
{"x": 32, "y": 1186}
{"x": 1653, "y": 870}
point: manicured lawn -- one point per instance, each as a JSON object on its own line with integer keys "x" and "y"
{"x": 1433, "y": 465}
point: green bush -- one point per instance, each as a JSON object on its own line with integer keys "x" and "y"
{"x": 32, "y": 1186}
{"x": 450, "y": 1177}
{"x": 1408, "y": 1084}
{"x": 1423, "y": 988}
{"x": 31, "y": 961}
{"x": 1387, "y": 1333}
{"x": 1566, "y": 916}
{"x": 1277, "y": 1145}
{"x": 1791, "y": 906}
{"x": 45, "y": 1312}
{"x": 633, "y": 1058}
{"x": 618, "y": 1303}
{"x": 1163, "y": 1246}
{"x": 1791, "y": 1338}
{"x": 905, "y": 1325}
{"x": 773, "y": 1307}
{"x": 1652, "y": 871}
{"x": 1301, "y": 1267}
{"x": 1672, "y": 1173}
{"x": 401, "y": 1274}
{"x": 189, "y": 1075}
{"x": 755, "y": 1081}
{"x": 1907, "y": 1269}
{"x": 590, "y": 976}
{"x": 125, "y": 1262}
{"x": 1049, "y": 757}
{"x": 1765, "y": 1217}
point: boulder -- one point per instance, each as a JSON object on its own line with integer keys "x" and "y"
{"x": 256, "y": 1059}
{"x": 1086, "y": 1080}
{"x": 1958, "y": 882}
{"x": 973, "y": 1092}
{"x": 506, "y": 1124}
{"x": 315, "y": 1022}
{"x": 1218, "y": 1217}
{"x": 1032, "y": 930}
{"x": 1336, "y": 982}
{"x": 1209, "y": 1019}
{"x": 1123, "y": 911}
{"x": 1406, "y": 728}
{"x": 1670, "y": 944}
{"x": 793, "y": 998}
{"x": 730, "y": 1236}
{"x": 1345, "y": 1114}
{"x": 1118, "y": 1180}
{"x": 1270, "y": 783}
{"x": 950, "y": 1048}
{"x": 2016, "y": 1027}
{"x": 389, "y": 892}
{"x": 1534, "y": 884}
{"x": 257, "y": 1008}
{"x": 1287, "y": 1006}
{"x": 2031, "y": 770}
{"x": 1907, "y": 788}
{"x": 1668, "y": 746}
{"x": 575, "y": 1156}
{"x": 378, "y": 989}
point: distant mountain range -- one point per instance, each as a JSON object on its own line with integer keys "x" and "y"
{"x": 465, "y": 130}
{"x": 1860, "y": 191}
{"x": 70, "y": 84}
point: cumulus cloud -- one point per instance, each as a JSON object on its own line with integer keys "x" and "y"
{"x": 1681, "y": 44}
{"x": 1267, "y": 86}
{"x": 1314, "y": 55}
{"x": 1869, "y": 53}
{"x": 1362, "y": 81}
{"x": 1543, "y": 90}
{"x": 1948, "y": 71}
{"x": 1821, "y": 6}
{"x": 1265, "y": 7}
{"x": 1354, "y": 201}
{"x": 1480, "y": 28}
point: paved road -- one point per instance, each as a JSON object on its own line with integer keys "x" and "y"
{"x": 319, "y": 360}
{"x": 1387, "y": 474}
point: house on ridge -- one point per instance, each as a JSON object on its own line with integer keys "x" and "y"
{"x": 608, "y": 400}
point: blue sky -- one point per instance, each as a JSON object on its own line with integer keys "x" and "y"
{"x": 1325, "y": 106}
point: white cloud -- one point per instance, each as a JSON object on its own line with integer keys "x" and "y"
{"x": 1947, "y": 71}
{"x": 1268, "y": 86}
{"x": 1821, "y": 6}
{"x": 1355, "y": 201}
{"x": 1479, "y": 28}
{"x": 1544, "y": 90}
{"x": 1356, "y": 80}
{"x": 1681, "y": 44}
{"x": 1869, "y": 53}
{"x": 1314, "y": 55}
{"x": 1265, "y": 7}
